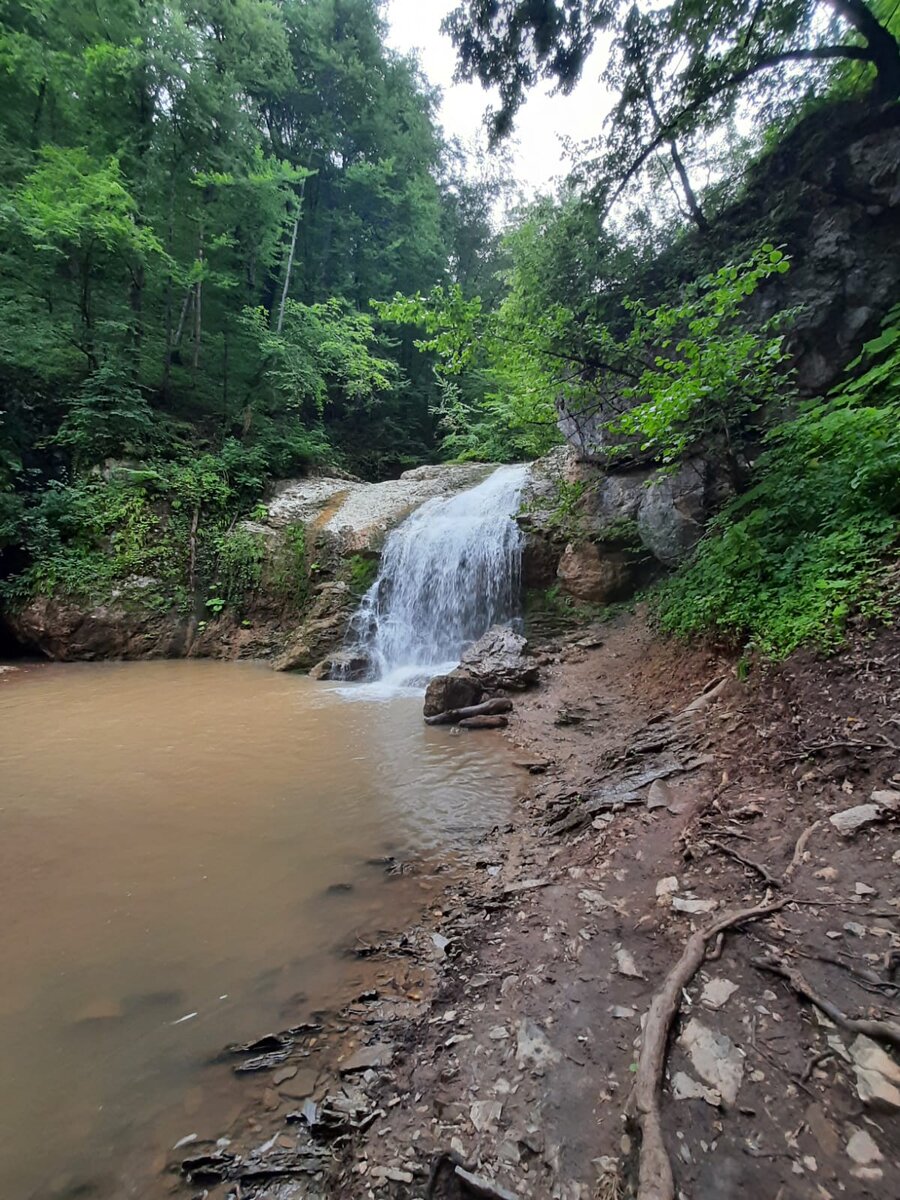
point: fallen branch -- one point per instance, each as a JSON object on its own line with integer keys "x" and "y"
{"x": 707, "y": 696}
{"x": 484, "y": 722}
{"x": 766, "y": 874}
{"x": 815, "y": 1061}
{"x": 487, "y": 708}
{"x": 888, "y": 1031}
{"x": 655, "y": 1179}
{"x": 800, "y": 849}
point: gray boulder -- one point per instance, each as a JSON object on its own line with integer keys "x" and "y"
{"x": 672, "y": 513}
{"x": 459, "y": 689}
{"x": 596, "y": 574}
{"x": 500, "y": 659}
{"x": 349, "y": 665}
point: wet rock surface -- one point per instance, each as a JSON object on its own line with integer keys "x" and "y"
{"x": 360, "y": 514}
{"x": 125, "y": 626}
{"x": 593, "y": 573}
{"x": 457, "y": 689}
{"x": 500, "y": 659}
{"x": 322, "y": 631}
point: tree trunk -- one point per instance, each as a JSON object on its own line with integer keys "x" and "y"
{"x": 882, "y": 45}
{"x": 198, "y": 306}
{"x": 290, "y": 259}
{"x": 287, "y": 276}
{"x": 690, "y": 195}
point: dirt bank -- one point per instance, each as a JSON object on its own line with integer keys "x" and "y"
{"x": 504, "y": 1035}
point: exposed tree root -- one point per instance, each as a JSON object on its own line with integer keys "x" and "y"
{"x": 655, "y": 1179}
{"x": 759, "y": 868}
{"x": 707, "y": 696}
{"x": 800, "y": 849}
{"x": 888, "y": 1031}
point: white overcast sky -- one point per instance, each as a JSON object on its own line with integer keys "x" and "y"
{"x": 537, "y": 157}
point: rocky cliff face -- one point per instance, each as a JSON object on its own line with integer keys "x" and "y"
{"x": 601, "y": 534}
{"x": 830, "y": 195}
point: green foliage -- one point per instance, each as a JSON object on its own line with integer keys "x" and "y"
{"x": 322, "y": 359}
{"x": 681, "y": 72}
{"x": 108, "y": 416}
{"x": 361, "y": 571}
{"x": 709, "y": 372}
{"x": 811, "y": 544}
{"x": 240, "y": 555}
{"x": 561, "y": 514}
{"x": 291, "y": 566}
{"x": 178, "y": 182}
{"x": 670, "y": 374}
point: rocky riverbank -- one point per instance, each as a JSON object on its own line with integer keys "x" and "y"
{"x": 499, "y": 1051}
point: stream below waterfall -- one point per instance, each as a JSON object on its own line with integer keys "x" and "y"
{"x": 185, "y": 850}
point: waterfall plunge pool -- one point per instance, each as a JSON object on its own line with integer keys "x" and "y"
{"x": 183, "y": 838}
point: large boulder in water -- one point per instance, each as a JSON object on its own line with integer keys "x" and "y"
{"x": 323, "y": 630}
{"x": 500, "y": 659}
{"x": 459, "y": 689}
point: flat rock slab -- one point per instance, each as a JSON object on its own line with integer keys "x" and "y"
{"x": 300, "y": 1085}
{"x": 363, "y": 512}
{"x": 366, "y": 1058}
{"x": 715, "y": 1057}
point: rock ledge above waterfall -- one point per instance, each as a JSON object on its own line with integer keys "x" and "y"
{"x": 362, "y": 513}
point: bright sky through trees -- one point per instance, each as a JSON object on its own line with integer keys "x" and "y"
{"x": 536, "y": 149}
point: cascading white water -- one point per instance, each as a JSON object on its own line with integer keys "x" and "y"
{"x": 448, "y": 573}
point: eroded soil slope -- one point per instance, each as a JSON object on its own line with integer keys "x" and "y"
{"x": 524, "y": 1063}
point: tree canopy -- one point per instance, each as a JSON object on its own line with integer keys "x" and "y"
{"x": 676, "y": 70}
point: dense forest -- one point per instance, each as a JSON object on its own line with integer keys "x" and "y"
{"x": 237, "y": 246}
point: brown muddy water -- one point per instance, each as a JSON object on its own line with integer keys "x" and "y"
{"x": 184, "y": 851}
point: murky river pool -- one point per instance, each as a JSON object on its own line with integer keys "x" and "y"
{"x": 185, "y": 849}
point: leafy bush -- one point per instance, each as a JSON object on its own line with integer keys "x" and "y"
{"x": 240, "y": 556}
{"x": 291, "y": 568}
{"x": 811, "y": 543}
{"x": 707, "y": 372}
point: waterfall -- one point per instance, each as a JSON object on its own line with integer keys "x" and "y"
{"x": 448, "y": 573}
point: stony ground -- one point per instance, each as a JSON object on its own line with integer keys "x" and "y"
{"x": 496, "y": 1050}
